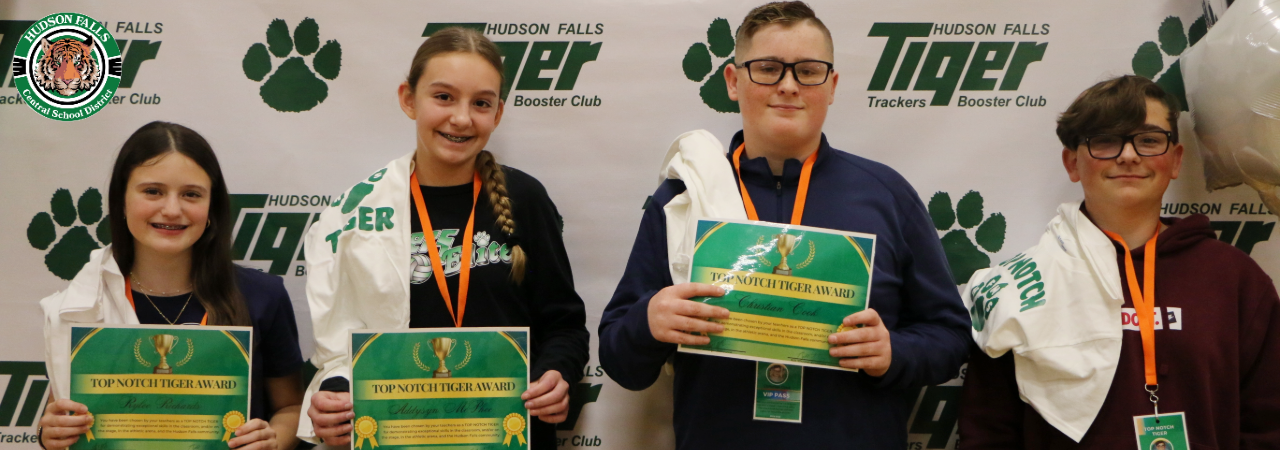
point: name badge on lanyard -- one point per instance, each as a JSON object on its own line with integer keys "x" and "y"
{"x": 779, "y": 392}
{"x": 779, "y": 387}
{"x": 1162, "y": 432}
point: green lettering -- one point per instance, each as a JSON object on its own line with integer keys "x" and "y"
{"x": 12, "y": 32}
{"x": 581, "y": 53}
{"x": 1253, "y": 233}
{"x": 141, "y": 50}
{"x": 1035, "y": 276}
{"x": 383, "y": 218}
{"x": 535, "y": 63}
{"x": 1014, "y": 259}
{"x": 1033, "y": 301}
{"x": 358, "y": 192}
{"x": 956, "y": 54}
{"x": 1027, "y": 53}
{"x": 444, "y": 238}
{"x": 512, "y": 54}
{"x": 18, "y": 374}
{"x": 244, "y": 237}
{"x": 1020, "y": 269}
{"x": 909, "y": 63}
{"x": 366, "y": 218}
{"x": 332, "y": 238}
{"x": 943, "y": 405}
{"x": 897, "y": 34}
{"x": 974, "y": 79}
{"x": 292, "y": 225}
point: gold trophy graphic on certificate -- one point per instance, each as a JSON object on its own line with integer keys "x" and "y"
{"x": 442, "y": 346}
{"x": 786, "y": 245}
{"x": 164, "y": 346}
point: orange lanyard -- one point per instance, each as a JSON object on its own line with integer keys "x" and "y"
{"x": 1144, "y": 303}
{"x": 128, "y": 293}
{"x": 437, "y": 267}
{"x": 802, "y": 192}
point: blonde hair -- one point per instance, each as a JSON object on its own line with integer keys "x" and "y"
{"x": 462, "y": 40}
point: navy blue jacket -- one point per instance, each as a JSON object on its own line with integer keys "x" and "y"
{"x": 912, "y": 290}
{"x": 275, "y": 335}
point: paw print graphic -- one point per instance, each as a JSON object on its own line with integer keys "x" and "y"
{"x": 482, "y": 239}
{"x": 1148, "y": 61}
{"x": 293, "y": 87}
{"x": 698, "y": 62}
{"x": 71, "y": 251}
{"x": 964, "y": 257}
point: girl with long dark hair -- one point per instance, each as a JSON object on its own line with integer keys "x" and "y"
{"x": 170, "y": 264}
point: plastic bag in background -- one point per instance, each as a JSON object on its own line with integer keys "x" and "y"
{"x": 1232, "y": 78}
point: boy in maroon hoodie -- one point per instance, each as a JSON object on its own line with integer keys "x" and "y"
{"x": 1216, "y": 334}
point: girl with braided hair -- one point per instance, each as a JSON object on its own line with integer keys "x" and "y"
{"x": 444, "y": 237}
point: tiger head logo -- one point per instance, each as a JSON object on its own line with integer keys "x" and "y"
{"x": 67, "y": 67}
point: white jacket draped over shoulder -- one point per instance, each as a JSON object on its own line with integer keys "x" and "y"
{"x": 96, "y": 295}
{"x": 357, "y": 271}
{"x": 1057, "y": 307}
{"x": 711, "y": 191}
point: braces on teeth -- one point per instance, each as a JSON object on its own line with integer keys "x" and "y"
{"x": 458, "y": 139}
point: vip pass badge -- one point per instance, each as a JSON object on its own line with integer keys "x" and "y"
{"x": 513, "y": 424}
{"x": 67, "y": 66}
{"x": 230, "y": 421}
{"x": 366, "y": 428}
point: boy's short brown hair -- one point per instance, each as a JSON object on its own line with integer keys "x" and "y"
{"x": 787, "y": 14}
{"x": 1115, "y": 106}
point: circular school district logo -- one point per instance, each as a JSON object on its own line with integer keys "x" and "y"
{"x": 67, "y": 66}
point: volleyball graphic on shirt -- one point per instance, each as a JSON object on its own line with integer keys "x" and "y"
{"x": 487, "y": 250}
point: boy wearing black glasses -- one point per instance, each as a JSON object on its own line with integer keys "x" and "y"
{"x": 914, "y": 335}
{"x": 1122, "y": 327}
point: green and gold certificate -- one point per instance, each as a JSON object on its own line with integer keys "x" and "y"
{"x": 446, "y": 388}
{"x": 787, "y": 288}
{"x": 149, "y": 387}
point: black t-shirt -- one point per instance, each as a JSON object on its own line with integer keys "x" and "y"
{"x": 546, "y": 301}
{"x": 492, "y": 299}
{"x": 275, "y": 331}
{"x": 181, "y": 309}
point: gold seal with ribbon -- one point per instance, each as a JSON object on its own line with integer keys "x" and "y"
{"x": 513, "y": 424}
{"x": 88, "y": 434}
{"x": 366, "y": 428}
{"x": 231, "y": 421}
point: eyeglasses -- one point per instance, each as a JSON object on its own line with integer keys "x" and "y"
{"x": 1146, "y": 143}
{"x": 770, "y": 72}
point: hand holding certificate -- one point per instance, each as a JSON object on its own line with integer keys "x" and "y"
{"x": 788, "y": 288}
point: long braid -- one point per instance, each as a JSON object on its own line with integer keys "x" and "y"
{"x": 495, "y": 184}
